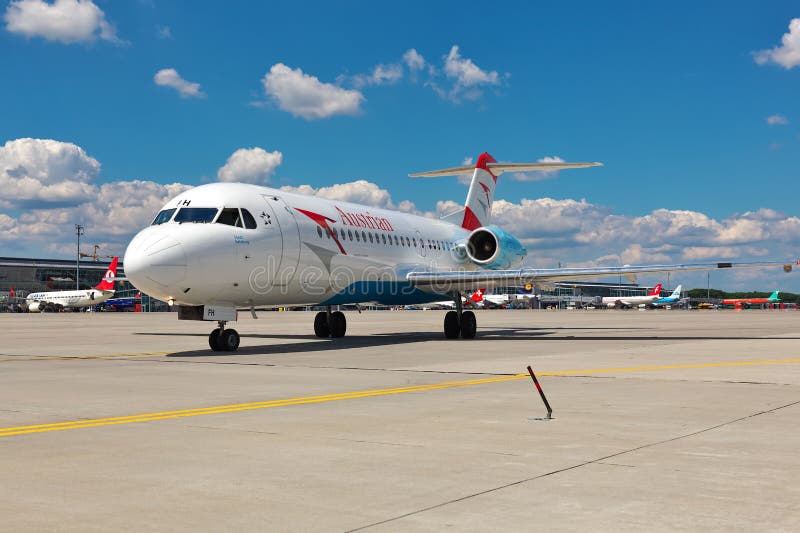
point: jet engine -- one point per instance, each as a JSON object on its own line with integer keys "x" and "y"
{"x": 34, "y": 307}
{"x": 490, "y": 247}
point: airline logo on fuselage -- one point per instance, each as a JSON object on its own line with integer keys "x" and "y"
{"x": 363, "y": 220}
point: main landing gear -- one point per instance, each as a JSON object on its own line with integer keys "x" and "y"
{"x": 223, "y": 340}
{"x": 460, "y": 322}
{"x": 330, "y": 324}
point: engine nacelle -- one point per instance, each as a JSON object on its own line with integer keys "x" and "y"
{"x": 493, "y": 248}
{"x": 34, "y": 307}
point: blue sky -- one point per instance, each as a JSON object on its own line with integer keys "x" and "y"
{"x": 670, "y": 97}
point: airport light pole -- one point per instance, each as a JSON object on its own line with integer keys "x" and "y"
{"x": 78, "y": 232}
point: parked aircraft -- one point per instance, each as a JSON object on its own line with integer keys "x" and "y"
{"x": 622, "y": 302}
{"x": 57, "y": 300}
{"x": 675, "y": 297}
{"x": 223, "y": 246}
{"x": 746, "y": 302}
{"x": 122, "y": 304}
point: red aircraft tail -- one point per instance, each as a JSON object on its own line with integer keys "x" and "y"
{"x": 107, "y": 283}
{"x": 477, "y": 296}
{"x": 656, "y": 290}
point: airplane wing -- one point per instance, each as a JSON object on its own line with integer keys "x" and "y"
{"x": 448, "y": 281}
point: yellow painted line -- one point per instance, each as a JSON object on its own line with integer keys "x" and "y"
{"x": 250, "y": 406}
{"x": 13, "y": 359}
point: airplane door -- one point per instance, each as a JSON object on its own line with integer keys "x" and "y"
{"x": 284, "y": 256}
{"x": 420, "y": 246}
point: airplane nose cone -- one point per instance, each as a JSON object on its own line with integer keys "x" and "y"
{"x": 153, "y": 258}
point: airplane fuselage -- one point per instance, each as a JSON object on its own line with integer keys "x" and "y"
{"x": 80, "y": 298}
{"x": 288, "y": 249}
{"x": 628, "y": 301}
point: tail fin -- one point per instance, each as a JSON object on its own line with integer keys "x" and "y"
{"x": 656, "y": 290}
{"x": 478, "y": 209}
{"x": 677, "y": 292}
{"x": 774, "y": 295}
{"x": 12, "y": 294}
{"x": 477, "y": 296}
{"x": 107, "y": 283}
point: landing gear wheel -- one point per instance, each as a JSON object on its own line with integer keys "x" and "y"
{"x": 451, "y": 325}
{"x": 469, "y": 325}
{"x": 321, "y": 328}
{"x": 229, "y": 340}
{"x": 338, "y": 324}
{"x": 213, "y": 340}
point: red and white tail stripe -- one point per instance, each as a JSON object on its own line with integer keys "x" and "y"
{"x": 478, "y": 209}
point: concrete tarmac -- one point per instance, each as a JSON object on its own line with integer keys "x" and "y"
{"x": 663, "y": 420}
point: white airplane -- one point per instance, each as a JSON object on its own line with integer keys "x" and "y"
{"x": 675, "y": 297}
{"x": 475, "y": 300}
{"x": 623, "y": 302}
{"x": 490, "y": 300}
{"x": 224, "y": 246}
{"x": 58, "y": 300}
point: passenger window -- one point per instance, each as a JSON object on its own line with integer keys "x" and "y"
{"x": 357, "y": 237}
{"x": 230, "y": 217}
{"x": 364, "y": 236}
{"x": 370, "y": 238}
{"x": 350, "y": 234}
{"x": 249, "y": 221}
{"x": 383, "y": 238}
{"x": 319, "y": 232}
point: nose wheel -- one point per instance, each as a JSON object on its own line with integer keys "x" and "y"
{"x": 330, "y": 324}
{"x": 459, "y": 322}
{"x": 223, "y": 340}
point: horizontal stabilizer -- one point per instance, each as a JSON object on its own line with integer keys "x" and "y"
{"x": 499, "y": 168}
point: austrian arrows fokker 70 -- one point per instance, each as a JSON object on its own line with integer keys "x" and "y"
{"x": 227, "y": 246}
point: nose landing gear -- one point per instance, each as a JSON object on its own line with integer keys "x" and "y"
{"x": 330, "y": 324}
{"x": 460, "y": 322}
{"x": 223, "y": 340}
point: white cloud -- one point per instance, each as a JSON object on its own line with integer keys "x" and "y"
{"x": 66, "y": 21}
{"x": 250, "y": 165}
{"x": 413, "y": 60}
{"x": 467, "y": 77}
{"x": 787, "y": 54}
{"x": 169, "y": 77}
{"x": 359, "y": 191}
{"x": 305, "y": 96}
{"x": 45, "y": 170}
{"x": 164, "y": 32}
{"x": 777, "y": 120}
{"x": 111, "y": 216}
{"x": 380, "y": 75}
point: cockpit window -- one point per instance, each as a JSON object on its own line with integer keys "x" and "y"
{"x": 249, "y": 221}
{"x": 202, "y": 215}
{"x": 163, "y": 217}
{"x": 230, "y": 216}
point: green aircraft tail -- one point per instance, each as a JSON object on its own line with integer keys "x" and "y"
{"x": 774, "y": 296}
